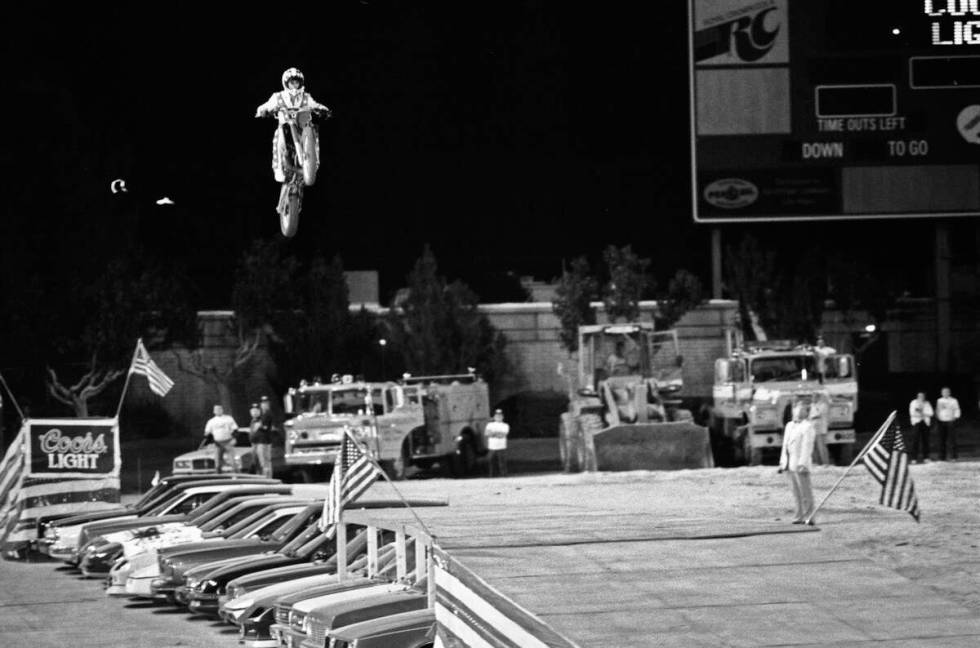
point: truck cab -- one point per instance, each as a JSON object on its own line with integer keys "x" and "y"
{"x": 417, "y": 421}
{"x": 754, "y": 389}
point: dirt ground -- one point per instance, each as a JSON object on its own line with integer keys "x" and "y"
{"x": 41, "y": 604}
{"x": 942, "y": 551}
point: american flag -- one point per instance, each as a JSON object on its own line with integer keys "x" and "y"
{"x": 353, "y": 474}
{"x": 888, "y": 462}
{"x": 160, "y": 383}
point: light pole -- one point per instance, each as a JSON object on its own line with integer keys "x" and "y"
{"x": 383, "y": 343}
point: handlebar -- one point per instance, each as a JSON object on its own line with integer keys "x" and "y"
{"x": 324, "y": 112}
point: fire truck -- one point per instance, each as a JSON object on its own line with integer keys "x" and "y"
{"x": 419, "y": 421}
{"x": 755, "y": 387}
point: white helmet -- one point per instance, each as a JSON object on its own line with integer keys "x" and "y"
{"x": 292, "y": 73}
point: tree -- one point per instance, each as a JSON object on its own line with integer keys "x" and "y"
{"x": 752, "y": 273}
{"x": 573, "y": 302}
{"x": 131, "y": 299}
{"x": 265, "y": 303}
{"x": 437, "y": 328}
{"x": 684, "y": 292}
{"x": 627, "y": 285}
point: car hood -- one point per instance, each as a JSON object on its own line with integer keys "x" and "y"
{"x": 343, "y": 613}
{"x": 207, "y": 452}
{"x": 215, "y": 549}
{"x": 329, "y": 589}
{"x": 58, "y": 521}
{"x": 245, "y": 565}
{"x": 264, "y": 597}
{"x": 416, "y": 619}
{"x": 276, "y": 575}
{"x": 94, "y": 529}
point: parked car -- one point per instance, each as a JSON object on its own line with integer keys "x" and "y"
{"x": 46, "y": 524}
{"x": 96, "y": 554}
{"x": 64, "y": 536}
{"x": 132, "y": 575}
{"x": 414, "y": 629}
{"x": 100, "y": 553}
{"x": 202, "y": 460}
{"x": 311, "y": 619}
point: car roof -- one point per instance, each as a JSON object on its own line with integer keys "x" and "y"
{"x": 383, "y": 625}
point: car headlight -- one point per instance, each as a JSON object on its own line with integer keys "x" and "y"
{"x": 192, "y": 583}
{"x": 239, "y": 604}
{"x": 234, "y": 591}
{"x": 182, "y": 463}
{"x": 259, "y": 613}
{"x": 306, "y": 625}
{"x": 210, "y": 585}
{"x": 50, "y": 532}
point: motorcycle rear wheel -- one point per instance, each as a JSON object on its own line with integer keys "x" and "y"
{"x": 309, "y": 156}
{"x": 289, "y": 206}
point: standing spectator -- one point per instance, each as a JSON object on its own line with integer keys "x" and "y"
{"x": 221, "y": 428}
{"x": 819, "y": 413}
{"x": 796, "y": 459}
{"x": 261, "y": 443}
{"x": 269, "y": 423}
{"x": 947, "y": 413}
{"x": 920, "y": 415}
{"x": 496, "y": 432}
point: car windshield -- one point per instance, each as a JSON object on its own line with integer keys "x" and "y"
{"x": 297, "y": 523}
{"x": 349, "y": 401}
{"x": 165, "y": 504}
{"x": 240, "y": 437}
{"x": 233, "y": 516}
{"x": 299, "y": 542}
{"x": 313, "y": 402}
{"x": 783, "y": 368}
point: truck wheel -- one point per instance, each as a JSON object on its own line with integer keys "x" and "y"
{"x": 397, "y": 468}
{"x": 566, "y": 444}
{"x": 845, "y": 454}
{"x": 753, "y": 456}
{"x": 304, "y": 475}
{"x": 589, "y": 424}
{"x": 464, "y": 459}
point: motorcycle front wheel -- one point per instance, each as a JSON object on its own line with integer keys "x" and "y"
{"x": 309, "y": 156}
{"x": 289, "y": 206}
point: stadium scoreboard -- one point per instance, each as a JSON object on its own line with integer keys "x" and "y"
{"x": 834, "y": 109}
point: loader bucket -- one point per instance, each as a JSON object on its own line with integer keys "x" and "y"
{"x": 653, "y": 446}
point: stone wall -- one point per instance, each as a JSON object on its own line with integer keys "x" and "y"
{"x": 535, "y": 353}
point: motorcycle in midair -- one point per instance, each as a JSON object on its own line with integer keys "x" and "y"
{"x": 301, "y": 160}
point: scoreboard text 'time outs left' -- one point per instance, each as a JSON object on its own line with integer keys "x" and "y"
{"x": 834, "y": 109}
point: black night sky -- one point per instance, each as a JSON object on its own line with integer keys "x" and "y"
{"x": 509, "y": 136}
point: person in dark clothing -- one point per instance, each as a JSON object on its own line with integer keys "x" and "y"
{"x": 261, "y": 441}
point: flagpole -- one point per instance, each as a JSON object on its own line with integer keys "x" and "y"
{"x": 378, "y": 467}
{"x": 129, "y": 374}
{"x": 864, "y": 451}
{"x": 340, "y": 534}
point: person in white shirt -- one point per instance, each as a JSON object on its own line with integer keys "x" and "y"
{"x": 796, "y": 459}
{"x": 221, "y": 428}
{"x": 920, "y": 416}
{"x": 496, "y": 433}
{"x": 947, "y": 413}
{"x": 819, "y": 413}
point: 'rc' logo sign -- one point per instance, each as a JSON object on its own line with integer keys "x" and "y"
{"x": 732, "y": 32}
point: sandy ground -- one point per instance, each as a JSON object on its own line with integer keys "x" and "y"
{"x": 41, "y": 605}
{"x": 942, "y": 551}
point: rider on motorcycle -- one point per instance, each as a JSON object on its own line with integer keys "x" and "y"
{"x": 293, "y": 95}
